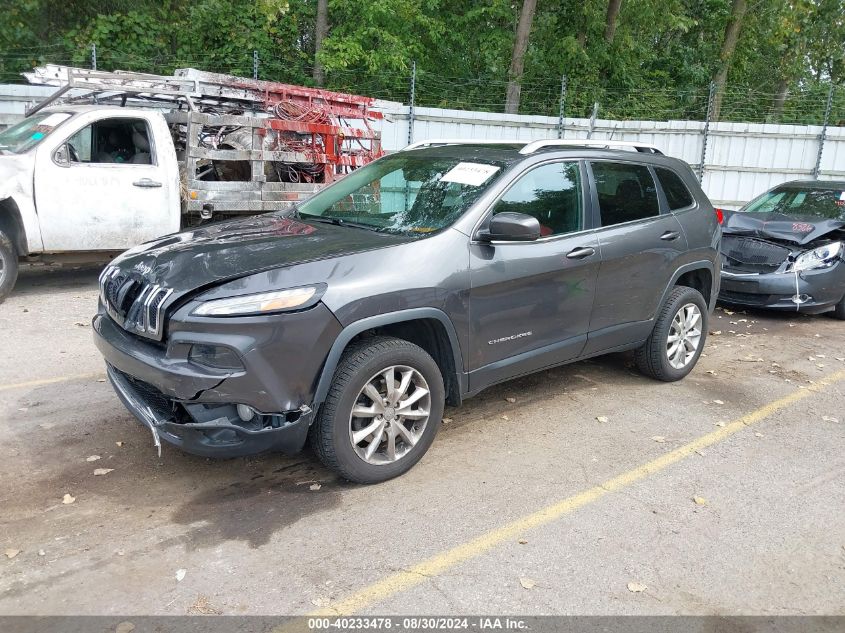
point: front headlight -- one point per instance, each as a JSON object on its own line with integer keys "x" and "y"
{"x": 263, "y": 303}
{"x": 821, "y": 257}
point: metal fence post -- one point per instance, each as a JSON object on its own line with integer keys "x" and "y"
{"x": 411, "y": 101}
{"x": 593, "y": 118}
{"x": 255, "y": 64}
{"x": 823, "y": 136}
{"x": 562, "y": 108}
{"x": 710, "y": 98}
{"x": 93, "y": 56}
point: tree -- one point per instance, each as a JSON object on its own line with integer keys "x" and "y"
{"x": 520, "y": 46}
{"x": 613, "y": 7}
{"x": 732, "y": 31}
{"x": 321, "y": 29}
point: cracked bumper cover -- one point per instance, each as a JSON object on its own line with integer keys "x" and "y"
{"x": 282, "y": 357}
{"x": 774, "y": 291}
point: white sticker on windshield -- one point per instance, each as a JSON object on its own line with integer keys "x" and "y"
{"x": 473, "y": 174}
{"x": 54, "y": 119}
{"x": 842, "y": 196}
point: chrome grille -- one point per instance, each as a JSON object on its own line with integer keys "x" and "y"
{"x": 133, "y": 303}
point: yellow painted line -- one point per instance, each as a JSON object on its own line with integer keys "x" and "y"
{"x": 49, "y": 381}
{"x": 439, "y": 563}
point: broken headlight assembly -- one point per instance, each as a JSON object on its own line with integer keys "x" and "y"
{"x": 262, "y": 303}
{"x": 821, "y": 257}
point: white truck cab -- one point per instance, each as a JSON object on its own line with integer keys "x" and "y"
{"x": 85, "y": 179}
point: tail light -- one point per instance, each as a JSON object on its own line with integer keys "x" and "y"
{"x": 720, "y": 216}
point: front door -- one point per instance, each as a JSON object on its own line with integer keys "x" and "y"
{"x": 530, "y": 302}
{"x": 103, "y": 188}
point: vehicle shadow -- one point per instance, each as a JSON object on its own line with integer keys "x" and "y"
{"x": 36, "y": 279}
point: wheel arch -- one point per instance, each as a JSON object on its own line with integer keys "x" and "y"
{"x": 701, "y": 276}
{"x": 11, "y": 223}
{"x": 430, "y": 328}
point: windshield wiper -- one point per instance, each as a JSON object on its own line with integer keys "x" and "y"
{"x": 340, "y": 222}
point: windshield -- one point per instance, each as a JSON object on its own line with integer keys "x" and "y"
{"x": 31, "y": 131}
{"x": 820, "y": 203}
{"x": 404, "y": 193}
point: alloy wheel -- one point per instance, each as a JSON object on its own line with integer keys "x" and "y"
{"x": 684, "y": 336}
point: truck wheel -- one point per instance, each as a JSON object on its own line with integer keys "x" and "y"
{"x": 675, "y": 343}
{"x": 8, "y": 266}
{"x": 382, "y": 411}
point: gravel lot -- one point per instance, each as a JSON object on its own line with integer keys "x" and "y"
{"x": 748, "y": 522}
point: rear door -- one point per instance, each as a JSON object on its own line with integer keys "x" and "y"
{"x": 530, "y": 302}
{"x": 640, "y": 244}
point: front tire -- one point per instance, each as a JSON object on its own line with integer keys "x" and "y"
{"x": 675, "y": 343}
{"x": 8, "y": 266}
{"x": 381, "y": 414}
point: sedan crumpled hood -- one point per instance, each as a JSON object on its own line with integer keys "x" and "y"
{"x": 777, "y": 226}
{"x": 211, "y": 254}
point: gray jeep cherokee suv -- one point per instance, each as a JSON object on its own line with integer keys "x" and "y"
{"x": 420, "y": 279}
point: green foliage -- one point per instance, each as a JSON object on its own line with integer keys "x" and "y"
{"x": 658, "y": 65}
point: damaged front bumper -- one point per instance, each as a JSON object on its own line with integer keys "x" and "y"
{"x": 263, "y": 405}
{"x": 809, "y": 291}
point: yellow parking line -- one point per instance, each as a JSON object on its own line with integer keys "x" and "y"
{"x": 49, "y": 381}
{"x": 438, "y": 563}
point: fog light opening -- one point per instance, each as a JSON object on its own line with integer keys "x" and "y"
{"x": 801, "y": 299}
{"x": 245, "y": 413}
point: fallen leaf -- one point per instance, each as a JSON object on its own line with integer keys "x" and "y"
{"x": 828, "y": 418}
{"x": 728, "y": 312}
{"x": 11, "y": 553}
{"x": 314, "y": 487}
{"x": 101, "y": 380}
{"x": 718, "y": 402}
{"x": 119, "y": 443}
{"x": 659, "y": 439}
{"x": 504, "y": 417}
{"x": 511, "y": 400}
{"x": 602, "y": 418}
{"x": 716, "y": 332}
{"x": 711, "y": 372}
{"x": 522, "y": 541}
{"x": 180, "y": 574}
{"x": 92, "y": 458}
{"x": 68, "y": 499}
{"x": 124, "y": 627}
{"x": 203, "y": 607}
{"x": 636, "y": 587}
{"x": 527, "y": 583}
{"x": 700, "y": 501}
{"x": 758, "y": 434}
{"x": 841, "y": 360}
{"x": 447, "y": 420}
{"x": 102, "y": 471}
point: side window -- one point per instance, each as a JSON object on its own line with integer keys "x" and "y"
{"x": 112, "y": 141}
{"x": 677, "y": 194}
{"x": 626, "y": 192}
{"x": 550, "y": 193}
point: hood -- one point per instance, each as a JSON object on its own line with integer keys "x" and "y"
{"x": 215, "y": 253}
{"x": 777, "y": 226}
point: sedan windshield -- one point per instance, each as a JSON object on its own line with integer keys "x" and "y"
{"x": 820, "y": 203}
{"x": 404, "y": 193}
{"x": 31, "y": 131}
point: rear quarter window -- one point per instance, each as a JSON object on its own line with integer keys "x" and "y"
{"x": 677, "y": 194}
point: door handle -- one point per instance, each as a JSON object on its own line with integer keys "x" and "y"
{"x": 669, "y": 236}
{"x": 146, "y": 183}
{"x": 581, "y": 252}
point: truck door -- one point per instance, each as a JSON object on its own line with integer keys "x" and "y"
{"x": 109, "y": 183}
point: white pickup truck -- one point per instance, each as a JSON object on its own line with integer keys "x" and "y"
{"x": 149, "y": 155}
{"x": 85, "y": 180}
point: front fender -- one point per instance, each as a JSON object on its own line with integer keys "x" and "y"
{"x": 17, "y": 199}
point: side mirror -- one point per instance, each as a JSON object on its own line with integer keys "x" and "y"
{"x": 61, "y": 156}
{"x": 511, "y": 227}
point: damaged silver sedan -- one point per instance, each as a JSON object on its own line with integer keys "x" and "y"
{"x": 785, "y": 250}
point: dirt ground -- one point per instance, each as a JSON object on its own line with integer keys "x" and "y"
{"x": 530, "y": 506}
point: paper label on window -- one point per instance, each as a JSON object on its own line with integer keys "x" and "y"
{"x": 473, "y": 174}
{"x": 54, "y": 119}
{"x": 842, "y": 196}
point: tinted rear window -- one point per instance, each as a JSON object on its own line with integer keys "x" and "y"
{"x": 626, "y": 192}
{"x": 677, "y": 194}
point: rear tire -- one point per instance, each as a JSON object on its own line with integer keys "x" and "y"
{"x": 8, "y": 266}
{"x": 684, "y": 318}
{"x": 360, "y": 385}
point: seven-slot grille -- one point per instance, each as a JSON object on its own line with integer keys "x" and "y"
{"x": 751, "y": 254}
{"x": 136, "y": 305}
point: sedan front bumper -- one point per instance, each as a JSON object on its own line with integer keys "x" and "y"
{"x": 810, "y": 291}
